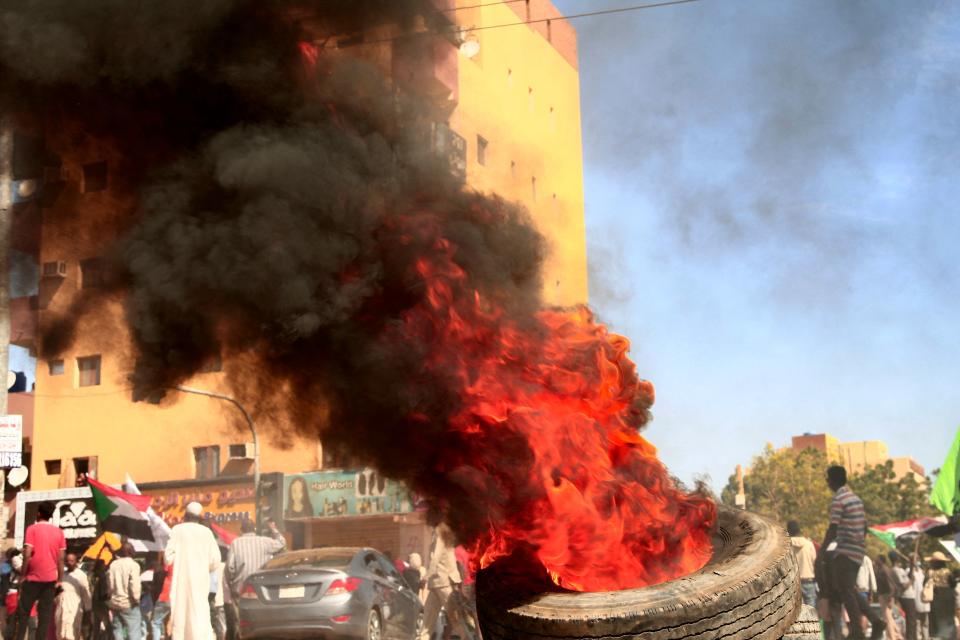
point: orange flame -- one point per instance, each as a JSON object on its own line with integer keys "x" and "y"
{"x": 595, "y": 503}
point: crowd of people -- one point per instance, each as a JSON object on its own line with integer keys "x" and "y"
{"x": 188, "y": 591}
{"x": 897, "y": 596}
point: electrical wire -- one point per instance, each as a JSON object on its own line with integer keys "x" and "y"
{"x": 465, "y": 30}
{"x": 485, "y": 4}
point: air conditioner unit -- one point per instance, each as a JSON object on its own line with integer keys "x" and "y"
{"x": 56, "y": 269}
{"x": 241, "y": 451}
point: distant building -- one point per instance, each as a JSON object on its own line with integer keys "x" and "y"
{"x": 819, "y": 441}
{"x": 857, "y": 456}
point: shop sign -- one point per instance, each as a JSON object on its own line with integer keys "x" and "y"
{"x": 73, "y": 511}
{"x": 323, "y": 494}
{"x": 223, "y": 504}
{"x": 11, "y": 441}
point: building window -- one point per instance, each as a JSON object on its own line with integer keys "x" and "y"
{"x": 56, "y": 367}
{"x": 94, "y": 177}
{"x": 52, "y": 467}
{"x": 481, "y": 150}
{"x": 89, "y": 371}
{"x": 85, "y": 467}
{"x": 207, "y": 460}
{"x": 91, "y": 273}
{"x": 533, "y": 188}
{"x": 212, "y": 365}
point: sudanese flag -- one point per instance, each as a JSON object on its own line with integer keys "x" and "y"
{"x": 121, "y": 513}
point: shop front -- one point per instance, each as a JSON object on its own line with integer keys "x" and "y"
{"x": 73, "y": 512}
{"x": 353, "y": 508}
{"x": 226, "y": 501}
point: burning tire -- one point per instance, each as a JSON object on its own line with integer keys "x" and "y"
{"x": 807, "y": 626}
{"x": 748, "y": 589}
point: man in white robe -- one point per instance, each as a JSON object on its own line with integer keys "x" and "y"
{"x": 193, "y": 553}
{"x": 73, "y": 600}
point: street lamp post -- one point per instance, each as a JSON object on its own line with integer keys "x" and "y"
{"x": 253, "y": 433}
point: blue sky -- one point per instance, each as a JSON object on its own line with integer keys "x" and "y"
{"x": 771, "y": 201}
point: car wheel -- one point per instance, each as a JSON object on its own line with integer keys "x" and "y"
{"x": 749, "y": 589}
{"x": 374, "y": 625}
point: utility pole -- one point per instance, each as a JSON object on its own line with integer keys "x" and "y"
{"x": 253, "y": 433}
{"x": 6, "y": 216}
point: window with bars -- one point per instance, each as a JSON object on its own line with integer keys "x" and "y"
{"x": 55, "y": 367}
{"x": 207, "y": 461}
{"x": 91, "y": 273}
{"x": 88, "y": 370}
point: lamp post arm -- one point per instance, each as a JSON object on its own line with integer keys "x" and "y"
{"x": 253, "y": 433}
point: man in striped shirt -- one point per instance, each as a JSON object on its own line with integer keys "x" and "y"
{"x": 848, "y": 527}
{"x": 247, "y": 554}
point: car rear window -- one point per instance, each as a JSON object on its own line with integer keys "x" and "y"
{"x": 323, "y": 558}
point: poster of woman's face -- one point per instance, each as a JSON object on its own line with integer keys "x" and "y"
{"x": 298, "y": 500}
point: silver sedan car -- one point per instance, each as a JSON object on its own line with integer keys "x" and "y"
{"x": 343, "y": 593}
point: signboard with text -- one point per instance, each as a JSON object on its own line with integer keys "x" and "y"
{"x": 324, "y": 494}
{"x": 11, "y": 441}
{"x": 222, "y": 503}
{"x": 72, "y": 511}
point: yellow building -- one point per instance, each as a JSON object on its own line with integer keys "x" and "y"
{"x": 515, "y": 101}
{"x": 857, "y": 456}
{"x": 820, "y": 441}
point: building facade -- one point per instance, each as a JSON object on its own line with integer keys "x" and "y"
{"x": 511, "y": 101}
{"x": 858, "y": 456}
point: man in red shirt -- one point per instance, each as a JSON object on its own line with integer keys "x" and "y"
{"x": 43, "y": 548}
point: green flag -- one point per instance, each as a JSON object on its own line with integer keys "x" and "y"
{"x": 945, "y": 495}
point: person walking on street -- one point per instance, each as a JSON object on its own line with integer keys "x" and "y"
{"x": 943, "y": 626}
{"x": 888, "y": 591}
{"x": 43, "y": 551}
{"x": 904, "y": 575}
{"x": 806, "y": 555}
{"x": 442, "y": 578}
{"x": 848, "y": 527}
{"x": 218, "y": 617}
{"x": 248, "y": 554}
{"x": 922, "y": 605}
{"x": 414, "y": 575}
{"x": 193, "y": 553}
{"x": 161, "y": 608}
{"x": 124, "y": 580}
{"x": 74, "y": 600}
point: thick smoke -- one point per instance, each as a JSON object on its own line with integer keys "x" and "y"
{"x": 274, "y": 206}
{"x": 292, "y": 216}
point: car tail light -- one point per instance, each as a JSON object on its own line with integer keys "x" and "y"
{"x": 340, "y": 618}
{"x": 248, "y": 592}
{"x": 339, "y": 586}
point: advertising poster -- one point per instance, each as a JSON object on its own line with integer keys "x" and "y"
{"x": 323, "y": 494}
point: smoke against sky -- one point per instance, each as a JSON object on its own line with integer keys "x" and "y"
{"x": 282, "y": 206}
{"x": 779, "y": 180}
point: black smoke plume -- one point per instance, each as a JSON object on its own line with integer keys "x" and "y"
{"x": 274, "y": 207}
